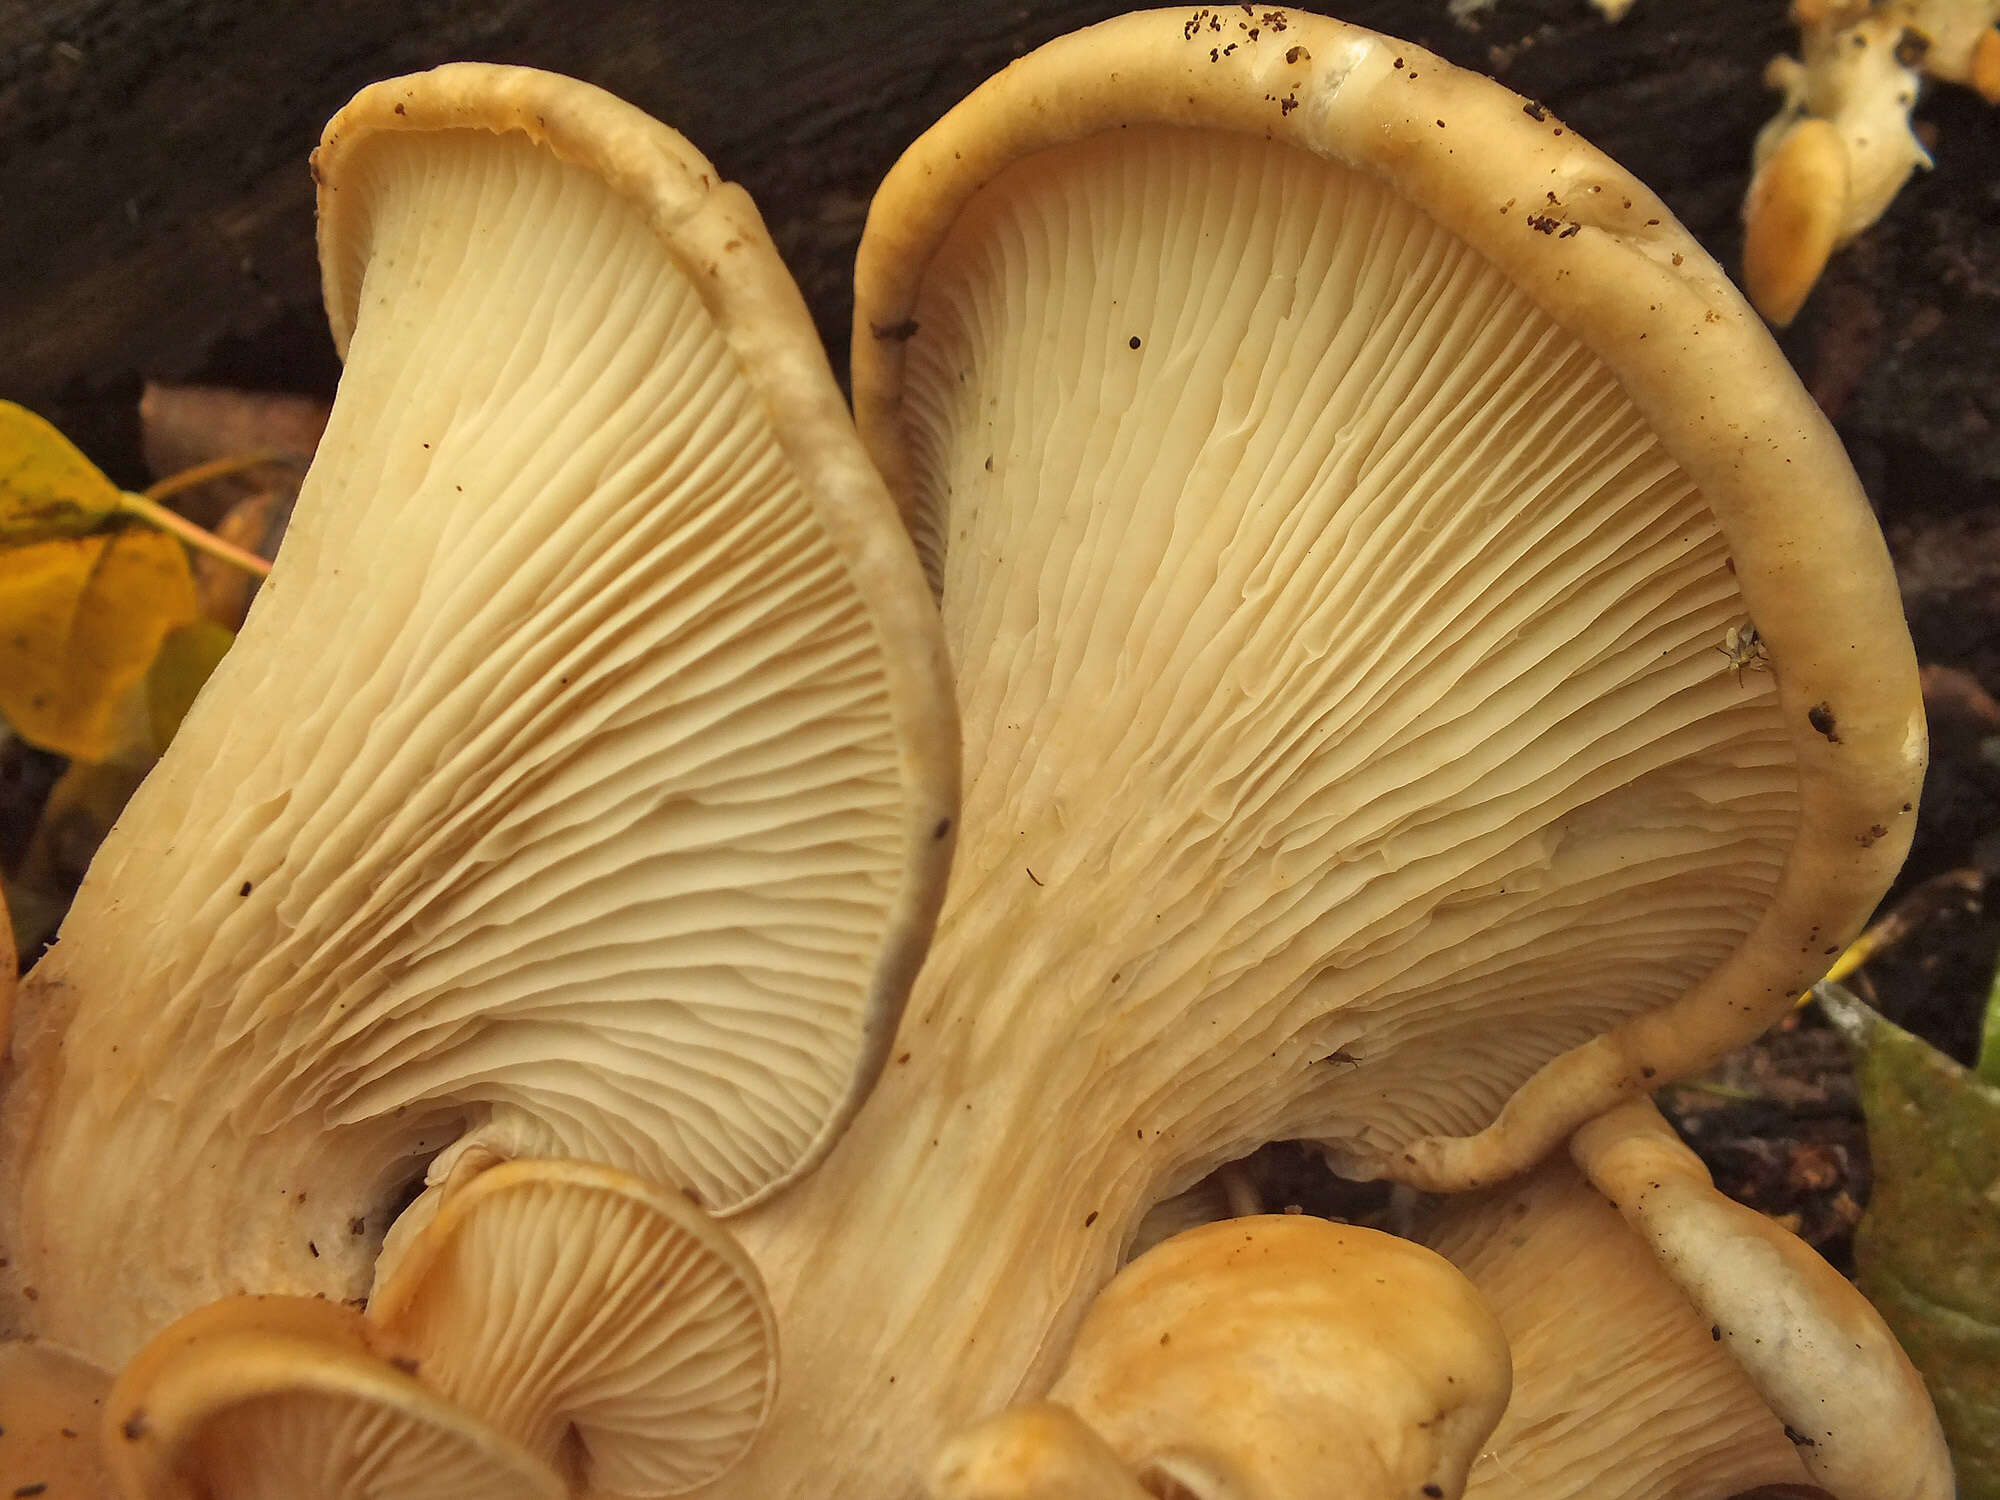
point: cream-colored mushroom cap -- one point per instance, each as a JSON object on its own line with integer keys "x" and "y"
{"x": 1349, "y": 498}
{"x": 1819, "y": 1355}
{"x": 591, "y": 1317}
{"x": 1620, "y": 1389}
{"x": 581, "y": 785}
{"x": 1285, "y": 1357}
{"x": 51, "y": 1407}
{"x": 1831, "y": 160}
{"x": 279, "y": 1399}
{"x": 1348, "y": 494}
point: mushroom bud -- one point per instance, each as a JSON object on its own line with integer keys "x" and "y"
{"x": 598, "y": 1321}
{"x": 1284, "y": 1357}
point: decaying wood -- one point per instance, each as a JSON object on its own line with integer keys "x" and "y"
{"x": 158, "y": 217}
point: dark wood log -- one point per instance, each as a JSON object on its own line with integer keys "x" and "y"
{"x": 156, "y": 214}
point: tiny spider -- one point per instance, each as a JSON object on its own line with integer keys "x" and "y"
{"x": 1745, "y": 650}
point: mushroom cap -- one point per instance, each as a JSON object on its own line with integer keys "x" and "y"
{"x": 1284, "y": 1357}
{"x": 1855, "y": 78}
{"x": 1041, "y": 1451}
{"x": 1620, "y": 1390}
{"x": 582, "y": 783}
{"x": 51, "y": 1407}
{"x": 1340, "y": 482}
{"x": 1671, "y": 1343}
{"x": 1816, "y": 1350}
{"x": 591, "y": 1316}
{"x": 1792, "y": 217}
{"x": 278, "y": 1397}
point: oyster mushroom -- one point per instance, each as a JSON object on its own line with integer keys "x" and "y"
{"x": 279, "y": 1398}
{"x": 1340, "y": 485}
{"x": 591, "y": 1317}
{"x": 581, "y": 785}
{"x": 1667, "y": 1341}
{"x": 51, "y": 1407}
{"x": 1043, "y": 1450}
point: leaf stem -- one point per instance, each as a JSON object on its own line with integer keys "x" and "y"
{"x": 147, "y": 508}
{"x": 217, "y": 468}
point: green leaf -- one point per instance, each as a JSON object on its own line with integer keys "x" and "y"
{"x": 1928, "y": 1249}
{"x": 81, "y": 619}
{"x": 188, "y": 654}
{"x": 47, "y": 488}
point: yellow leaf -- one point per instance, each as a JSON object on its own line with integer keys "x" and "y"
{"x": 81, "y": 619}
{"x": 188, "y": 654}
{"x": 47, "y": 488}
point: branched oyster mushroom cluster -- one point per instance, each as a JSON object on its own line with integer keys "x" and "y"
{"x": 1299, "y": 509}
{"x": 1833, "y": 158}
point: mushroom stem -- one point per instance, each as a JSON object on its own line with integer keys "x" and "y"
{"x": 957, "y": 1191}
{"x": 314, "y": 1229}
{"x": 954, "y": 1173}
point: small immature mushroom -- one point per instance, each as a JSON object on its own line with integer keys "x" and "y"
{"x": 1792, "y": 218}
{"x": 280, "y": 1399}
{"x": 1339, "y": 483}
{"x": 1851, "y": 96}
{"x": 582, "y": 784}
{"x": 1817, "y": 1351}
{"x": 1286, "y": 1357}
{"x": 1840, "y": 148}
{"x": 1683, "y": 1359}
{"x": 1041, "y": 1451}
{"x": 593, "y": 1318}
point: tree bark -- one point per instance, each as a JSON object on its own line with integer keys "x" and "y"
{"x": 158, "y": 213}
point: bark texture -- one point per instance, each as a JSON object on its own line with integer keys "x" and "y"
{"x": 158, "y": 213}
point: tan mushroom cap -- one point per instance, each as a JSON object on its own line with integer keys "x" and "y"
{"x": 1341, "y": 483}
{"x": 1341, "y": 542}
{"x": 51, "y": 1409}
{"x": 1817, "y": 1352}
{"x": 1792, "y": 218}
{"x": 592, "y": 1318}
{"x": 279, "y": 1399}
{"x": 582, "y": 784}
{"x": 1041, "y": 1451}
{"x": 1620, "y": 1390}
{"x": 1284, "y": 1357}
